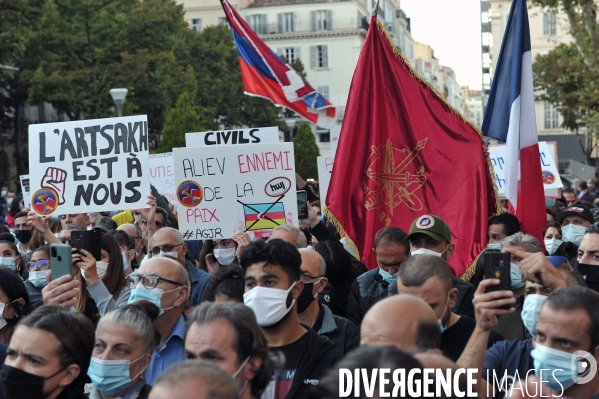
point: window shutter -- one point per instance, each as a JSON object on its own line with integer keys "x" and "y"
{"x": 248, "y": 19}
{"x": 329, "y": 19}
{"x": 313, "y": 20}
{"x": 280, "y": 22}
{"x": 293, "y": 19}
{"x": 263, "y": 25}
{"x": 280, "y": 51}
{"x": 297, "y": 53}
{"x": 325, "y": 56}
{"x": 313, "y": 57}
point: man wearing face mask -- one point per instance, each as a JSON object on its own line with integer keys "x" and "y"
{"x": 23, "y": 232}
{"x": 430, "y": 235}
{"x": 135, "y": 232}
{"x": 165, "y": 283}
{"x": 226, "y": 333}
{"x": 574, "y": 220}
{"x": 429, "y": 278}
{"x": 391, "y": 250}
{"x": 313, "y": 314}
{"x": 169, "y": 242}
{"x": 273, "y": 285}
{"x": 588, "y": 257}
{"x": 500, "y": 227}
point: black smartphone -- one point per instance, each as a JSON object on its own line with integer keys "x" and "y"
{"x": 60, "y": 260}
{"x": 497, "y": 265}
{"x": 302, "y": 205}
{"x": 89, "y": 240}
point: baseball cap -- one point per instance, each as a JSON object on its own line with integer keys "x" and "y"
{"x": 105, "y": 223}
{"x": 579, "y": 210}
{"x": 432, "y": 226}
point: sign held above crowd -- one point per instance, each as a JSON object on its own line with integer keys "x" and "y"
{"x": 259, "y": 135}
{"x": 89, "y": 165}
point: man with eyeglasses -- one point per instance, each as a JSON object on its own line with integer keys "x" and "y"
{"x": 310, "y": 312}
{"x": 80, "y": 220}
{"x": 65, "y": 234}
{"x": 391, "y": 250}
{"x": 169, "y": 242}
{"x": 140, "y": 242}
{"x": 165, "y": 283}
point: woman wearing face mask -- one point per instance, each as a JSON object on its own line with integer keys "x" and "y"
{"x": 122, "y": 352}
{"x": 14, "y": 303}
{"x": 553, "y": 237}
{"x": 10, "y": 256}
{"x": 102, "y": 282}
{"x": 37, "y": 266}
{"x": 48, "y": 355}
{"x": 217, "y": 253}
{"x": 127, "y": 245}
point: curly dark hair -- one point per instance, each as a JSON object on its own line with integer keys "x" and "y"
{"x": 228, "y": 281}
{"x": 274, "y": 252}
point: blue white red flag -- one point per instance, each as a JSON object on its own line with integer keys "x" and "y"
{"x": 510, "y": 117}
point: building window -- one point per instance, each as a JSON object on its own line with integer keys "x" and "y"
{"x": 549, "y": 24}
{"x": 324, "y": 136}
{"x": 286, "y": 22}
{"x": 319, "y": 56}
{"x": 291, "y": 54}
{"x": 196, "y": 24}
{"x": 222, "y": 20}
{"x": 322, "y": 20}
{"x": 258, "y": 23}
{"x": 551, "y": 116}
{"x": 324, "y": 91}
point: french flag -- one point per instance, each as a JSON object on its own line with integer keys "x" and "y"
{"x": 266, "y": 75}
{"x": 510, "y": 117}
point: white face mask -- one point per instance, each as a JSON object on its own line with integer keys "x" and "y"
{"x": 225, "y": 256}
{"x": 8, "y": 262}
{"x": 3, "y": 193}
{"x": 495, "y": 245}
{"x": 125, "y": 261}
{"x": 172, "y": 254}
{"x": 552, "y": 245}
{"x": 268, "y": 304}
{"x": 9, "y": 201}
{"x": 424, "y": 251}
{"x": 101, "y": 268}
{"x": 573, "y": 233}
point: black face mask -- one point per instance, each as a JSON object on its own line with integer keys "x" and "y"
{"x": 590, "y": 273}
{"x": 19, "y": 384}
{"x": 306, "y": 298}
{"x": 23, "y": 236}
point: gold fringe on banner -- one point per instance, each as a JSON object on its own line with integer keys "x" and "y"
{"x": 350, "y": 243}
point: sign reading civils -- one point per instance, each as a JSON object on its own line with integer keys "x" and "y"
{"x": 227, "y": 189}
{"x": 89, "y": 165}
{"x": 550, "y": 174}
{"x": 260, "y": 135}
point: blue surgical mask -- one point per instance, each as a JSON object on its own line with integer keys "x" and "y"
{"x": 573, "y": 233}
{"x": 153, "y": 295}
{"x": 38, "y": 278}
{"x": 552, "y": 245}
{"x": 125, "y": 261}
{"x": 111, "y": 376}
{"x": 441, "y": 326}
{"x": 8, "y": 262}
{"x": 530, "y": 312}
{"x": 495, "y": 245}
{"x": 388, "y": 277}
{"x": 515, "y": 277}
{"x": 558, "y": 365}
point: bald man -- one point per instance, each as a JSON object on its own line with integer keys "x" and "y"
{"x": 164, "y": 282}
{"x": 169, "y": 242}
{"x": 194, "y": 379}
{"x": 416, "y": 331}
{"x": 290, "y": 234}
{"x": 140, "y": 242}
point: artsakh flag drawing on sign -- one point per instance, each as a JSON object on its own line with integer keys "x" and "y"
{"x": 264, "y": 216}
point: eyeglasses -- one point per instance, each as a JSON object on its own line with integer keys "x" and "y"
{"x": 165, "y": 248}
{"x": 65, "y": 240}
{"x": 150, "y": 281}
{"x": 306, "y": 277}
{"x": 42, "y": 264}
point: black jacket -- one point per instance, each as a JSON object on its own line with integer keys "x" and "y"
{"x": 366, "y": 290}
{"x": 321, "y": 355}
{"x": 338, "y": 329}
{"x": 463, "y": 305}
{"x": 35, "y": 295}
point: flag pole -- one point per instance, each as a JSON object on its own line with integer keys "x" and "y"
{"x": 266, "y": 112}
{"x": 375, "y": 10}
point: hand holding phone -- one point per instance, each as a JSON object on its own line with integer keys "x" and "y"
{"x": 497, "y": 266}
{"x": 302, "y": 204}
{"x": 60, "y": 260}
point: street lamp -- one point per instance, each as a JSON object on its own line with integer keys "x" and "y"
{"x": 118, "y": 95}
{"x": 291, "y": 125}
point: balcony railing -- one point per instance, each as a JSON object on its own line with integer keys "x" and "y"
{"x": 305, "y": 26}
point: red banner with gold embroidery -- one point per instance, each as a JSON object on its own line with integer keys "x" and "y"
{"x": 404, "y": 152}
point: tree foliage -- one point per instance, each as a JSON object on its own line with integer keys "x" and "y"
{"x": 306, "y": 151}
{"x": 180, "y": 120}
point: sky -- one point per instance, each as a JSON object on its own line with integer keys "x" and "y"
{"x": 452, "y": 29}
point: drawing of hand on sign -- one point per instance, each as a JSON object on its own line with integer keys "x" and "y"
{"x": 55, "y": 179}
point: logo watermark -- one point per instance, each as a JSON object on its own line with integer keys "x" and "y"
{"x": 584, "y": 367}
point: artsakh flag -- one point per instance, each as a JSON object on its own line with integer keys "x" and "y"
{"x": 264, "y": 216}
{"x": 40, "y": 207}
{"x": 266, "y": 75}
{"x": 510, "y": 117}
{"x": 195, "y": 193}
{"x": 403, "y": 153}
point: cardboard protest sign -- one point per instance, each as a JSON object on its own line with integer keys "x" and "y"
{"x": 162, "y": 174}
{"x": 226, "y": 189}
{"x": 25, "y": 189}
{"x": 550, "y": 174}
{"x": 325, "y": 169}
{"x": 89, "y": 165}
{"x": 259, "y": 135}
{"x": 553, "y": 192}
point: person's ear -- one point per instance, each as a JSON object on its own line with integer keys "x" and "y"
{"x": 184, "y": 247}
{"x": 297, "y": 289}
{"x": 323, "y": 283}
{"x": 450, "y": 249}
{"x": 183, "y": 295}
{"x": 453, "y": 297}
{"x": 71, "y": 374}
{"x": 130, "y": 255}
{"x": 252, "y": 367}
